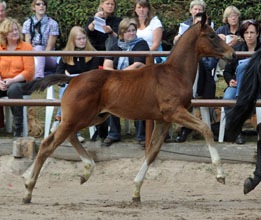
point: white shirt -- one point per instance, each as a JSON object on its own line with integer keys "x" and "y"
{"x": 147, "y": 33}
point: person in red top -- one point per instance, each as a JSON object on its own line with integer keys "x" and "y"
{"x": 14, "y": 70}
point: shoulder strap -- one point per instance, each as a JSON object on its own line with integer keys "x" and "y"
{"x": 32, "y": 28}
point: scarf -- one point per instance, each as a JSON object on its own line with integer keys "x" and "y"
{"x": 126, "y": 46}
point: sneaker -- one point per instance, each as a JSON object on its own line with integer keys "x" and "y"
{"x": 81, "y": 139}
{"x": 55, "y": 125}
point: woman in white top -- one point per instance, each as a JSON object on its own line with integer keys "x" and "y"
{"x": 149, "y": 26}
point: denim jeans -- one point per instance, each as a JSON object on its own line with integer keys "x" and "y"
{"x": 115, "y": 129}
{"x": 240, "y": 71}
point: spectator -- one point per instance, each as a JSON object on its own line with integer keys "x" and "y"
{"x": 204, "y": 85}
{"x": 149, "y": 26}
{"x": 196, "y": 6}
{"x": 230, "y": 31}
{"x": 69, "y": 65}
{"x": 15, "y": 70}
{"x": 105, "y": 11}
{"x": 2, "y": 10}
{"x": 128, "y": 41}
{"x": 102, "y": 41}
{"x": 41, "y": 31}
{"x": 249, "y": 31}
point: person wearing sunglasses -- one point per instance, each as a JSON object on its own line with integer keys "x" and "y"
{"x": 41, "y": 31}
{"x": 249, "y": 31}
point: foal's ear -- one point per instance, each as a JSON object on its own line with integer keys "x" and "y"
{"x": 203, "y": 19}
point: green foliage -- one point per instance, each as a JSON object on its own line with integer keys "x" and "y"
{"x": 171, "y": 12}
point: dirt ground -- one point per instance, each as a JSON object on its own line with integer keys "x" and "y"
{"x": 176, "y": 190}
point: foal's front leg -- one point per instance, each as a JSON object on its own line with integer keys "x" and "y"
{"x": 157, "y": 138}
{"x": 183, "y": 117}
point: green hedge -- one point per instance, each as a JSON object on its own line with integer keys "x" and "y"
{"x": 171, "y": 12}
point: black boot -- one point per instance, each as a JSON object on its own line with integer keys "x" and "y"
{"x": 240, "y": 139}
{"x": 250, "y": 184}
{"x": 183, "y": 135}
{"x": 18, "y": 121}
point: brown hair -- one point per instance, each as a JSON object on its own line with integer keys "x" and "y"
{"x": 144, "y": 4}
{"x": 124, "y": 25}
{"x": 34, "y": 3}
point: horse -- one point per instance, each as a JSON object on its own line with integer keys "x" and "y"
{"x": 245, "y": 106}
{"x": 159, "y": 92}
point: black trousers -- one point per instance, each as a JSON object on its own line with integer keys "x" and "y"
{"x": 257, "y": 171}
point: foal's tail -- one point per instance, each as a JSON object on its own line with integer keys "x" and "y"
{"x": 247, "y": 97}
{"x": 40, "y": 84}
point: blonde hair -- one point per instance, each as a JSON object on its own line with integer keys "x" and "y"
{"x": 124, "y": 25}
{"x": 198, "y": 2}
{"x": 3, "y": 3}
{"x": 230, "y": 9}
{"x": 70, "y": 46}
{"x": 102, "y": 1}
{"x": 7, "y": 26}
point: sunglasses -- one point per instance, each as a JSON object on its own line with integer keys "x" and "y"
{"x": 39, "y": 4}
{"x": 251, "y": 21}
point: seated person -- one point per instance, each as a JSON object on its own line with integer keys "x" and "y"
{"x": 69, "y": 65}
{"x": 14, "y": 70}
{"x": 41, "y": 31}
{"x": 249, "y": 31}
{"x": 128, "y": 41}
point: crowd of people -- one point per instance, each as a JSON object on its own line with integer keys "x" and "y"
{"x": 105, "y": 31}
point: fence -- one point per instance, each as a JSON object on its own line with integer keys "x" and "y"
{"x": 149, "y": 60}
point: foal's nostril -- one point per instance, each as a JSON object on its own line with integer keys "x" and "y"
{"x": 234, "y": 55}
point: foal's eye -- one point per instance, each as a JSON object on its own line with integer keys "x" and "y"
{"x": 212, "y": 36}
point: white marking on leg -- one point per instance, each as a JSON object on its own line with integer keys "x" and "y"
{"x": 216, "y": 161}
{"x": 89, "y": 165}
{"x": 139, "y": 179}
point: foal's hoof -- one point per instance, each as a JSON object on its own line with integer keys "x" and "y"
{"x": 136, "y": 199}
{"x": 221, "y": 180}
{"x": 248, "y": 185}
{"x": 82, "y": 180}
{"x": 26, "y": 200}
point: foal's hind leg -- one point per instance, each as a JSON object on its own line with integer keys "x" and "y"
{"x": 89, "y": 163}
{"x": 183, "y": 117}
{"x": 47, "y": 147}
{"x": 159, "y": 132}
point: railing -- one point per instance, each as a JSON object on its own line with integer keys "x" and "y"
{"x": 149, "y": 60}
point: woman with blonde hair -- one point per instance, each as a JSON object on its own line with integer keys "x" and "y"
{"x": 230, "y": 31}
{"x": 14, "y": 70}
{"x": 77, "y": 41}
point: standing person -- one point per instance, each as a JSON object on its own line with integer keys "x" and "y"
{"x": 128, "y": 41}
{"x": 149, "y": 26}
{"x": 70, "y": 65}
{"x": 230, "y": 31}
{"x": 102, "y": 41}
{"x": 41, "y": 31}
{"x": 14, "y": 70}
{"x": 196, "y": 6}
{"x": 204, "y": 86}
{"x": 105, "y": 11}
{"x": 2, "y": 10}
{"x": 249, "y": 31}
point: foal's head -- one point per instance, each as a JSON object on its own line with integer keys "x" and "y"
{"x": 210, "y": 44}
